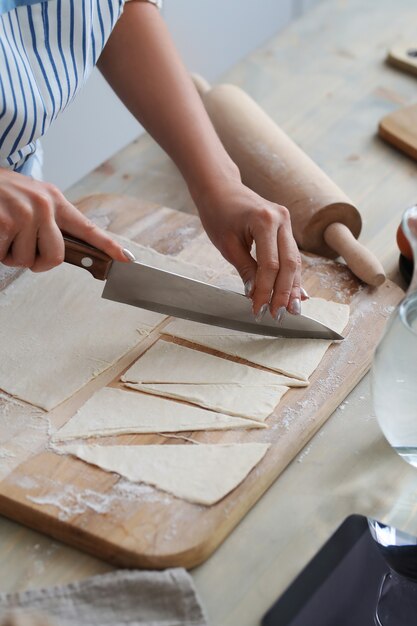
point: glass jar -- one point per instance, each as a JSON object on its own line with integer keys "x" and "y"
{"x": 394, "y": 392}
{"x": 394, "y": 369}
{"x": 396, "y": 602}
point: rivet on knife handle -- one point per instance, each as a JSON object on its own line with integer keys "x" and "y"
{"x": 88, "y": 257}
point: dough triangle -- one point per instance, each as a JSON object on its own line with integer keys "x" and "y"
{"x": 201, "y": 473}
{"x": 167, "y": 362}
{"x": 113, "y": 411}
{"x": 293, "y": 357}
{"x": 254, "y": 402}
{"x": 174, "y": 371}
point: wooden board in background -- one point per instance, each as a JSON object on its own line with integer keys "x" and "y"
{"x": 404, "y": 56}
{"x": 400, "y": 129}
{"x": 135, "y": 525}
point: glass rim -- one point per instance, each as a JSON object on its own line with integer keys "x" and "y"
{"x": 403, "y": 311}
{"x": 411, "y": 212}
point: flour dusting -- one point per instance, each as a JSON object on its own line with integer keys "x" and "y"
{"x": 70, "y": 500}
{"x": 23, "y": 430}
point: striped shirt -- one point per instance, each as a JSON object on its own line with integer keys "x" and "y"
{"x": 47, "y": 51}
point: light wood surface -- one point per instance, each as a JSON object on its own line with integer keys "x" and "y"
{"x": 325, "y": 81}
{"x": 148, "y": 528}
{"x": 400, "y": 129}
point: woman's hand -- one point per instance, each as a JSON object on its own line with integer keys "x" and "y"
{"x": 32, "y": 215}
{"x": 234, "y": 218}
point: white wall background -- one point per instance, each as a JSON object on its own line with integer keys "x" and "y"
{"x": 211, "y": 35}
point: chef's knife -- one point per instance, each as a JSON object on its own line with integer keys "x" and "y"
{"x": 171, "y": 294}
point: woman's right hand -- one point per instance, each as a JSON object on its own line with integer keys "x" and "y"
{"x": 32, "y": 216}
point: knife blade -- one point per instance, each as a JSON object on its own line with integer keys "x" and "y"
{"x": 154, "y": 289}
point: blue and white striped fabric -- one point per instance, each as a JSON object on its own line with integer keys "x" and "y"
{"x": 47, "y": 51}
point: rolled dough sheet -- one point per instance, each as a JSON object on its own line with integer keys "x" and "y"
{"x": 293, "y": 357}
{"x": 203, "y": 473}
{"x": 167, "y": 362}
{"x": 254, "y": 402}
{"x": 115, "y": 411}
{"x": 57, "y": 333}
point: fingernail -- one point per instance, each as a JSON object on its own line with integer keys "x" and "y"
{"x": 248, "y": 287}
{"x": 295, "y": 307}
{"x": 304, "y": 293}
{"x": 280, "y": 314}
{"x": 129, "y": 255}
{"x": 261, "y": 313}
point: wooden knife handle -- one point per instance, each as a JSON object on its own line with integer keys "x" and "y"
{"x": 87, "y": 257}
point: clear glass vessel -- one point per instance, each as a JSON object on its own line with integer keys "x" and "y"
{"x": 394, "y": 369}
{"x": 396, "y": 602}
{"x": 394, "y": 391}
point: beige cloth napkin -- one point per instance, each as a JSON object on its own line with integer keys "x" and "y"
{"x": 121, "y": 598}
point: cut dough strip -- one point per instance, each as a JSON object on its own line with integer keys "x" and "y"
{"x": 203, "y": 473}
{"x": 253, "y": 402}
{"x": 293, "y": 357}
{"x": 174, "y": 371}
{"x": 115, "y": 412}
{"x": 167, "y": 362}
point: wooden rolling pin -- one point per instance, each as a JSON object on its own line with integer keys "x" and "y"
{"x": 324, "y": 220}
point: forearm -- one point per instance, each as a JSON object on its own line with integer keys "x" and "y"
{"x": 143, "y": 67}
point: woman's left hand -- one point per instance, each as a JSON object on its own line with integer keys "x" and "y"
{"x": 234, "y": 218}
{"x": 167, "y": 104}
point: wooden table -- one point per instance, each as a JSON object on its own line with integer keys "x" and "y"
{"x": 324, "y": 80}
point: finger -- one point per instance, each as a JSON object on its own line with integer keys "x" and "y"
{"x": 289, "y": 271}
{"x": 238, "y": 254}
{"x": 5, "y": 245}
{"x": 22, "y": 251}
{"x": 7, "y": 236}
{"x": 50, "y": 247}
{"x": 268, "y": 266}
{"x": 294, "y": 305}
{"x": 304, "y": 294}
{"x": 75, "y": 223}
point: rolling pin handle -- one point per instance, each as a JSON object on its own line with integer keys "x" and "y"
{"x": 359, "y": 259}
{"x": 88, "y": 257}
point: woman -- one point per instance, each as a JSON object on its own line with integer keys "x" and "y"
{"x": 47, "y": 51}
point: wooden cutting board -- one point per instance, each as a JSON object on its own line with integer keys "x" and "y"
{"x": 135, "y": 525}
{"x": 404, "y": 56}
{"x": 400, "y": 129}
